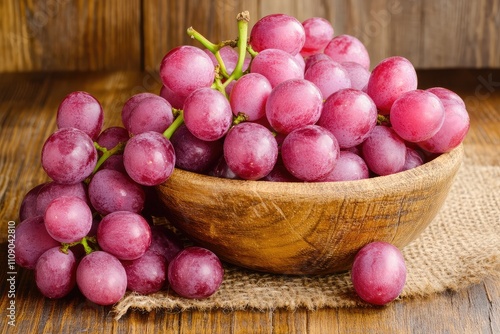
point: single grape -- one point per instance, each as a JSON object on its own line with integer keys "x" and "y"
{"x": 124, "y": 234}
{"x": 194, "y": 154}
{"x": 309, "y": 61}
{"x": 378, "y": 273}
{"x": 358, "y": 75}
{"x": 150, "y": 114}
{"x": 175, "y": 100}
{"x": 350, "y": 115}
{"x": 253, "y": 104}
{"x": 28, "y": 204}
{"x": 195, "y": 273}
{"x": 52, "y": 190}
{"x": 349, "y": 167}
{"x": 165, "y": 243}
{"x": 185, "y": 69}
{"x": 110, "y": 190}
{"x": 101, "y": 278}
{"x": 149, "y": 158}
{"x": 413, "y": 159}
{"x": 453, "y": 131}
{"x": 69, "y": 156}
{"x": 112, "y": 136}
{"x": 228, "y": 55}
{"x": 278, "y": 31}
{"x": 130, "y": 104}
{"x": 207, "y": 114}
{"x": 222, "y": 170}
{"x": 68, "y": 219}
{"x": 293, "y": 104}
{"x": 55, "y": 273}
{"x": 146, "y": 274}
{"x": 309, "y": 153}
{"x": 329, "y": 76}
{"x": 417, "y": 115}
{"x": 446, "y": 96}
{"x": 31, "y": 241}
{"x": 250, "y": 150}
{"x": 391, "y": 78}
{"x": 344, "y": 48}
{"x": 319, "y": 32}
{"x": 277, "y": 66}
{"x": 384, "y": 151}
{"x": 82, "y": 111}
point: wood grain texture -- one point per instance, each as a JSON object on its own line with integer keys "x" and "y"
{"x": 63, "y": 35}
{"x": 28, "y": 103}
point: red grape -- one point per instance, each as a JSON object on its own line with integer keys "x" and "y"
{"x": 82, "y": 111}
{"x": 124, "y": 234}
{"x": 329, "y": 76}
{"x": 278, "y": 31}
{"x": 195, "y": 273}
{"x": 344, "y": 48}
{"x": 384, "y": 151}
{"x": 150, "y": 114}
{"x": 249, "y": 96}
{"x": 146, "y": 274}
{"x": 101, "y": 278}
{"x": 52, "y": 190}
{"x": 277, "y": 66}
{"x": 55, "y": 273}
{"x": 349, "y": 166}
{"x": 358, "y": 75}
{"x": 378, "y": 273}
{"x": 319, "y": 32}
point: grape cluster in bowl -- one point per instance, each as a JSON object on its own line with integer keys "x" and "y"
{"x": 288, "y": 102}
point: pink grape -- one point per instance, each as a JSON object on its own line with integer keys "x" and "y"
{"x": 193, "y": 154}
{"x": 453, "y": 131}
{"x": 150, "y": 114}
{"x": 329, "y": 76}
{"x": 344, "y": 48}
{"x": 101, "y": 278}
{"x": 112, "y": 136}
{"x": 350, "y": 115}
{"x": 253, "y": 104}
{"x": 277, "y": 66}
{"x": 31, "y": 241}
{"x": 309, "y": 61}
{"x": 124, "y": 234}
{"x": 391, "y": 78}
{"x": 417, "y": 115}
{"x": 358, "y": 75}
{"x": 82, "y": 111}
{"x": 378, "y": 273}
{"x": 278, "y": 31}
{"x": 384, "y": 151}
{"x": 207, "y": 114}
{"x": 250, "y": 150}
{"x": 310, "y": 152}
{"x": 446, "y": 96}
{"x": 319, "y": 32}
{"x": 110, "y": 190}
{"x": 279, "y": 173}
{"x": 349, "y": 167}
{"x": 27, "y": 208}
{"x": 146, "y": 274}
{"x": 130, "y": 104}
{"x": 176, "y": 101}
{"x": 165, "y": 243}
{"x": 413, "y": 159}
{"x": 55, "y": 273}
{"x": 69, "y": 156}
{"x": 195, "y": 273}
{"x": 52, "y": 190}
{"x": 68, "y": 219}
{"x": 185, "y": 69}
{"x": 149, "y": 158}
{"x": 293, "y": 104}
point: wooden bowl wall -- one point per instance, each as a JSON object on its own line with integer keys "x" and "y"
{"x": 306, "y": 228}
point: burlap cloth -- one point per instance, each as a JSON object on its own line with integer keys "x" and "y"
{"x": 459, "y": 248}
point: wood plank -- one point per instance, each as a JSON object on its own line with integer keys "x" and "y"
{"x": 58, "y": 35}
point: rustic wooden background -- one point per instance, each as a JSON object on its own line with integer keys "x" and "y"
{"x": 87, "y": 35}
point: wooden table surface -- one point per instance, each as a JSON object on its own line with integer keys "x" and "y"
{"x": 28, "y": 105}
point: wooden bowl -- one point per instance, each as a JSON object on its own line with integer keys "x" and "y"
{"x": 306, "y": 228}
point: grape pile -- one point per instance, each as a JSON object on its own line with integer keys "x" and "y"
{"x": 287, "y": 101}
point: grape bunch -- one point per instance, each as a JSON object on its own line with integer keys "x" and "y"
{"x": 284, "y": 102}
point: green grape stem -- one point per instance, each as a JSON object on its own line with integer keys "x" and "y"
{"x": 84, "y": 242}
{"x": 243, "y": 18}
{"x": 174, "y": 126}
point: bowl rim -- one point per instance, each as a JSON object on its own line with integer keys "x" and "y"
{"x": 443, "y": 164}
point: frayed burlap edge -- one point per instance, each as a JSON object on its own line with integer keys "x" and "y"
{"x": 458, "y": 249}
